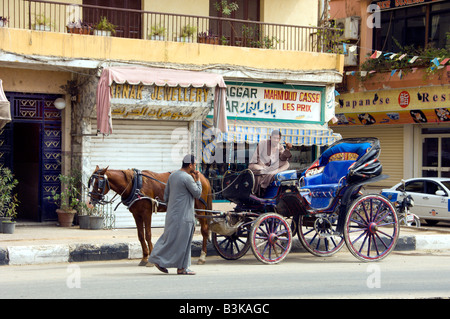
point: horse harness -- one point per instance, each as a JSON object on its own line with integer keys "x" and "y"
{"x": 135, "y": 194}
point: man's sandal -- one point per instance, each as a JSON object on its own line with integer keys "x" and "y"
{"x": 162, "y": 269}
{"x": 185, "y": 272}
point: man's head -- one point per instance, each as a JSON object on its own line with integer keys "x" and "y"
{"x": 189, "y": 163}
{"x": 275, "y": 136}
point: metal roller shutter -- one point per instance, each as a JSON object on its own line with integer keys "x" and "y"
{"x": 145, "y": 145}
{"x": 391, "y": 141}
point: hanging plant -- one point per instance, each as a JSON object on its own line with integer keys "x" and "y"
{"x": 226, "y": 8}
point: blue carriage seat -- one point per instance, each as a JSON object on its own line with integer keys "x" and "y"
{"x": 324, "y": 187}
{"x": 288, "y": 175}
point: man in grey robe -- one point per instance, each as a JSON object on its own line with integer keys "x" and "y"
{"x": 173, "y": 248}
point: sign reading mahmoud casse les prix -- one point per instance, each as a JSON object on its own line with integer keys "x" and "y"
{"x": 275, "y": 102}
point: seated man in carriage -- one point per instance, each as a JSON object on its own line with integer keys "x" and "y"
{"x": 269, "y": 158}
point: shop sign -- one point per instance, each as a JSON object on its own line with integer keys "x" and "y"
{"x": 402, "y": 106}
{"x": 397, "y": 4}
{"x": 159, "y": 102}
{"x": 287, "y": 103}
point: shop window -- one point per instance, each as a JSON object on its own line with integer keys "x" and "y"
{"x": 418, "y": 27}
{"x": 435, "y": 152}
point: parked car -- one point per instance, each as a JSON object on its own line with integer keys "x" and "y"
{"x": 431, "y": 197}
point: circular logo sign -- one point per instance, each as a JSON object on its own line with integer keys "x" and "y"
{"x": 403, "y": 99}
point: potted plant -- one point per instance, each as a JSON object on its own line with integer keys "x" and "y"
{"x": 208, "y": 38}
{"x": 9, "y": 225}
{"x": 42, "y": 23}
{"x": 66, "y": 199}
{"x": 104, "y": 28}
{"x": 158, "y": 33}
{"x": 79, "y": 27}
{"x": 8, "y": 201}
{"x": 90, "y": 217}
{"x": 186, "y": 33}
{"x": 3, "y": 21}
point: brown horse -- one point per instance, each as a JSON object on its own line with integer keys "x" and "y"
{"x": 153, "y": 185}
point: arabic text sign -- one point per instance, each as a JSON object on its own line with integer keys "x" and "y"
{"x": 274, "y": 103}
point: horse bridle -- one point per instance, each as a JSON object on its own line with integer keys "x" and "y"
{"x": 100, "y": 191}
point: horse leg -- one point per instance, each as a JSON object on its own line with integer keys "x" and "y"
{"x": 148, "y": 234}
{"x": 140, "y": 230}
{"x": 205, "y": 234}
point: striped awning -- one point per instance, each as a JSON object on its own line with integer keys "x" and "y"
{"x": 297, "y": 134}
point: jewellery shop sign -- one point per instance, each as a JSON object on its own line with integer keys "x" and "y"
{"x": 140, "y": 101}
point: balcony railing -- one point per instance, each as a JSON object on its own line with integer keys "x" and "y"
{"x": 138, "y": 24}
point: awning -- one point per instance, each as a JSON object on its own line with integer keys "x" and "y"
{"x": 297, "y": 134}
{"x": 5, "y": 109}
{"x": 159, "y": 77}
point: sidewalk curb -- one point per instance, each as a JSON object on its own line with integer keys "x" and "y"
{"x": 44, "y": 254}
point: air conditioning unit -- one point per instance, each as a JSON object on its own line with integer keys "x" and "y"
{"x": 351, "y": 58}
{"x": 350, "y": 27}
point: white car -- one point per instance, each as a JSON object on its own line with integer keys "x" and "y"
{"x": 431, "y": 197}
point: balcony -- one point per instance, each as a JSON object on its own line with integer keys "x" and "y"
{"x": 40, "y": 33}
{"x": 137, "y": 24}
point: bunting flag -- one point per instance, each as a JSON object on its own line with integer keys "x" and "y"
{"x": 436, "y": 63}
{"x": 376, "y": 55}
{"x": 443, "y": 62}
{"x": 413, "y": 59}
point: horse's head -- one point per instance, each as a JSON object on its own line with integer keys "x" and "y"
{"x": 98, "y": 186}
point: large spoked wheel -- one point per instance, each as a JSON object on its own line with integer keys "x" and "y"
{"x": 371, "y": 228}
{"x": 316, "y": 234}
{"x": 271, "y": 238}
{"x": 232, "y": 247}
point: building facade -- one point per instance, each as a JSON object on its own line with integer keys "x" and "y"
{"x": 396, "y": 83}
{"x": 49, "y": 51}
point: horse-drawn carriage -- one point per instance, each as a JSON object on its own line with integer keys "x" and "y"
{"x": 323, "y": 205}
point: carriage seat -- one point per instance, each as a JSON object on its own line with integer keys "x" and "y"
{"x": 284, "y": 176}
{"x": 324, "y": 186}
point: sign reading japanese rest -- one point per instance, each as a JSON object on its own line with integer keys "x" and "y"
{"x": 275, "y": 102}
{"x": 401, "y": 106}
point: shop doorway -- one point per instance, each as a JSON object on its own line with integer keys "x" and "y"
{"x": 30, "y": 145}
{"x": 26, "y": 168}
{"x": 435, "y": 152}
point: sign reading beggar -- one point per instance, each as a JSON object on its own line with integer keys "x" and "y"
{"x": 159, "y": 102}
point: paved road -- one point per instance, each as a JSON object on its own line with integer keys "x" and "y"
{"x": 300, "y": 275}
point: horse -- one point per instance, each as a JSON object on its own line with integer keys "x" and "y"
{"x": 144, "y": 204}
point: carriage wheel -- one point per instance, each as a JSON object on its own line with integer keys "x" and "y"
{"x": 271, "y": 238}
{"x": 316, "y": 234}
{"x": 371, "y": 228}
{"x": 232, "y": 247}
